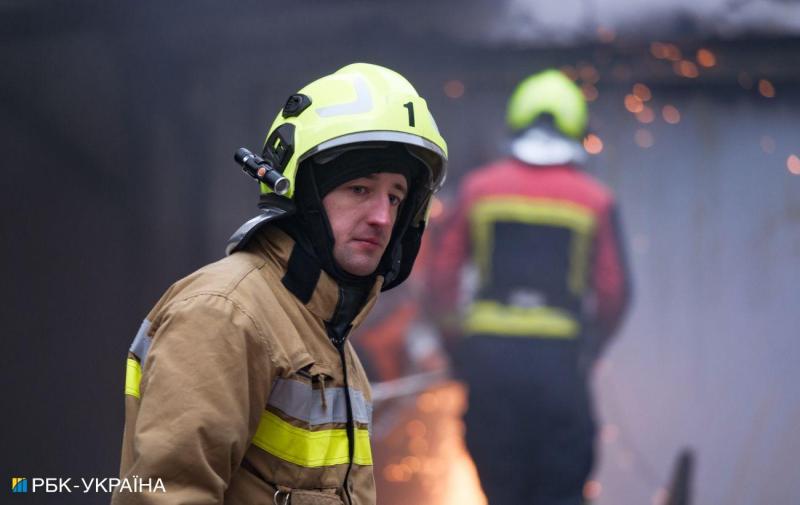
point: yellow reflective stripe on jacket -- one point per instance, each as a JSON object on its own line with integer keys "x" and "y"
{"x": 133, "y": 376}
{"x": 541, "y": 211}
{"x": 496, "y": 318}
{"x": 133, "y": 369}
{"x": 310, "y": 448}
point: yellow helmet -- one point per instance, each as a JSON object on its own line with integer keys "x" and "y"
{"x": 547, "y": 115}
{"x": 548, "y": 92}
{"x": 356, "y": 104}
{"x": 359, "y": 106}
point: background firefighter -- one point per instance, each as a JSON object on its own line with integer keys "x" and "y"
{"x": 547, "y": 289}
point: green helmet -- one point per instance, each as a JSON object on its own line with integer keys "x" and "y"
{"x": 360, "y": 106}
{"x": 549, "y": 92}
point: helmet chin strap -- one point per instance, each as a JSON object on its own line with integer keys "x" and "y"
{"x": 542, "y": 146}
{"x": 302, "y": 275}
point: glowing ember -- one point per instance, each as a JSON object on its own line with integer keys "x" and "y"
{"x": 686, "y": 69}
{"x": 633, "y": 103}
{"x": 592, "y": 490}
{"x": 670, "y": 114}
{"x": 658, "y": 50}
{"x": 673, "y": 53}
{"x": 642, "y": 92}
{"x": 793, "y": 164}
{"x": 706, "y": 58}
{"x": 646, "y": 115}
{"x": 397, "y": 473}
{"x": 766, "y": 88}
{"x": 454, "y": 88}
{"x": 413, "y": 463}
{"x": 589, "y": 92}
{"x": 593, "y": 144}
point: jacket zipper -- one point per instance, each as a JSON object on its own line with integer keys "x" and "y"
{"x": 339, "y": 342}
{"x": 350, "y": 426}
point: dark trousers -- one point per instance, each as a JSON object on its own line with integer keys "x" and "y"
{"x": 529, "y": 420}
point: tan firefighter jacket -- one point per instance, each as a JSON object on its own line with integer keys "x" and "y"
{"x": 235, "y": 393}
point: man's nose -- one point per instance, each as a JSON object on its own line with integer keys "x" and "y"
{"x": 381, "y": 212}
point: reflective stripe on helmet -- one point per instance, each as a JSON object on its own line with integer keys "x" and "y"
{"x": 361, "y": 104}
{"x": 437, "y": 171}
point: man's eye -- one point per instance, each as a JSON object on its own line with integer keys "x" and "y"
{"x": 358, "y": 190}
{"x": 395, "y": 200}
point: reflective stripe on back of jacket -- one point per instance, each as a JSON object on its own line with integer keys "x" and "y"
{"x": 544, "y": 241}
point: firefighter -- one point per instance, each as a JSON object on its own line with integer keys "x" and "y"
{"x": 541, "y": 240}
{"x": 242, "y": 386}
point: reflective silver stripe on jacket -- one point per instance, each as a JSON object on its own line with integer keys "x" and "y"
{"x": 301, "y": 402}
{"x": 141, "y": 342}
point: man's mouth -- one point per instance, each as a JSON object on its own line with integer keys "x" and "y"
{"x": 375, "y": 242}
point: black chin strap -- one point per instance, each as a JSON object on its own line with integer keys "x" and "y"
{"x": 303, "y": 271}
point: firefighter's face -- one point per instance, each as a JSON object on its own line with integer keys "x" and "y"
{"x": 362, "y": 213}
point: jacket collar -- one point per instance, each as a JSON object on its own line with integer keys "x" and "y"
{"x": 303, "y": 277}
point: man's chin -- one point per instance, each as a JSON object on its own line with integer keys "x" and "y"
{"x": 361, "y": 267}
{"x": 358, "y": 262}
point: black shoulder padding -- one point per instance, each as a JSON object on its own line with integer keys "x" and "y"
{"x": 302, "y": 274}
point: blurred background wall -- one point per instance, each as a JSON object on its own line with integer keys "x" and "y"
{"x": 118, "y": 122}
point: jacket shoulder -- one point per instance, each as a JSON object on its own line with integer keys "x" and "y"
{"x": 222, "y": 277}
{"x": 508, "y": 176}
{"x": 234, "y": 278}
{"x": 595, "y": 186}
{"x": 237, "y": 288}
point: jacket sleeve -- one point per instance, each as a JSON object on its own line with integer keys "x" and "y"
{"x": 611, "y": 278}
{"x": 204, "y": 385}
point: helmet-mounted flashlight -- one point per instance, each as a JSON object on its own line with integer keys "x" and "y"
{"x": 257, "y": 168}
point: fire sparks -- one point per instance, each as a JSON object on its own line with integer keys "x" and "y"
{"x": 593, "y": 144}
